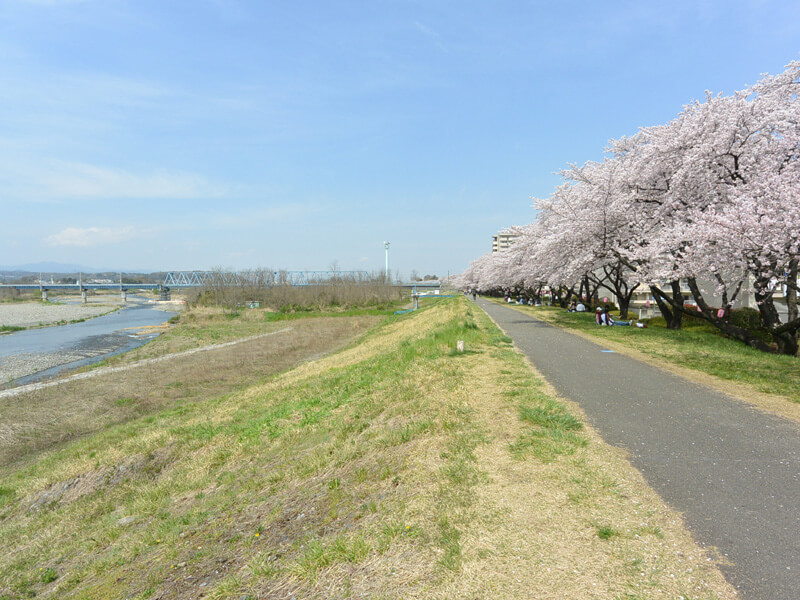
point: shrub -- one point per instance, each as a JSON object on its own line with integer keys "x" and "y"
{"x": 748, "y": 318}
{"x": 271, "y": 290}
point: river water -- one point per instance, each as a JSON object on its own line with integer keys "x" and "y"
{"x": 36, "y": 354}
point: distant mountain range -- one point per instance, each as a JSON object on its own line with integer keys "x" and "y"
{"x": 49, "y": 267}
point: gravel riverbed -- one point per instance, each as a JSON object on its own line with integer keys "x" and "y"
{"x": 35, "y": 314}
{"x": 22, "y": 365}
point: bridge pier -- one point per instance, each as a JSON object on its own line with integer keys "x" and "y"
{"x": 124, "y": 293}
{"x": 83, "y": 295}
{"x": 44, "y": 294}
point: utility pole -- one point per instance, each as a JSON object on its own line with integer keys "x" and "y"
{"x": 386, "y": 247}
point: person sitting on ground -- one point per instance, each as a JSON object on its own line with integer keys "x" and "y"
{"x": 572, "y": 307}
{"x": 598, "y": 316}
{"x": 607, "y": 319}
{"x": 580, "y": 307}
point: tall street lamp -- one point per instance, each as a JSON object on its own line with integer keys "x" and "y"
{"x": 386, "y": 247}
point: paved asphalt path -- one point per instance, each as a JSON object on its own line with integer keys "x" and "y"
{"x": 733, "y": 471}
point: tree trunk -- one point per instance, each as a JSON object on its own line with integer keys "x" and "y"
{"x": 591, "y": 292}
{"x": 791, "y": 296}
{"x": 737, "y": 333}
{"x": 615, "y": 283}
{"x": 671, "y": 307}
{"x": 784, "y": 336}
{"x": 567, "y": 296}
{"x": 791, "y": 301}
{"x": 625, "y": 301}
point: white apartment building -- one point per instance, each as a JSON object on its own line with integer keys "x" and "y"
{"x": 502, "y": 241}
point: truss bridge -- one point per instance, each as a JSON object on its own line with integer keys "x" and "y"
{"x": 186, "y": 279}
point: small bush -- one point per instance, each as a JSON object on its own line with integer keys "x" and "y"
{"x": 747, "y": 318}
{"x": 689, "y": 321}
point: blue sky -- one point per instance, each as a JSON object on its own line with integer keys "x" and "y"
{"x": 190, "y": 134}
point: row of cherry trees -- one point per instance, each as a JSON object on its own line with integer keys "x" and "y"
{"x": 712, "y": 196}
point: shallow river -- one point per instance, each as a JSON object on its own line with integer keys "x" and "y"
{"x": 36, "y": 354}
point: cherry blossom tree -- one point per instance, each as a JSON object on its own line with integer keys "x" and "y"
{"x": 711, "y": 199}
{"x": 709, "y": 181}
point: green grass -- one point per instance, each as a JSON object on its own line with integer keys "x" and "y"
{"x": 551, "y": 430}
{"x": 48, "y": 575}
{"x": 366, "y": 473}
{"x": 606, "y": 532}
{"x": 321, "y": 464}
{"x": 203, "y": 327}
{"x": 10, "y": 328}
{"x": 289, "y": 314}
{"x": 698, "y": 346}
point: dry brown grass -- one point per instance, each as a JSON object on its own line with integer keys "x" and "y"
{"x": 389, "y": 337}
{"x": 35, "y": 421}
{"x": 544, "y": 540}
{"x": 262, "y": 286}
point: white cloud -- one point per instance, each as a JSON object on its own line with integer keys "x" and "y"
{"x": 92, "y": 236}
{"x": 54, "y": 180}
{"x": 75, "y": 180}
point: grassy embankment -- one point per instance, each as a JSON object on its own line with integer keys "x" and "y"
{"x": 264, "y": 346}
{"x": 396, "y": 468}
{"x": 205, "y": 326}
{"x": 769, "y": 379}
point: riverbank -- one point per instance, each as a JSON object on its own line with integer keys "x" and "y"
{"x": 41, "y": 314}
{"x": 85, "y": 334}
